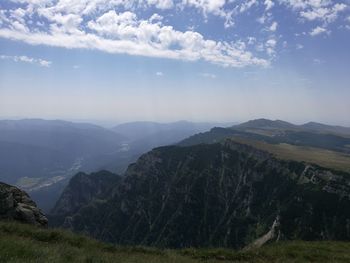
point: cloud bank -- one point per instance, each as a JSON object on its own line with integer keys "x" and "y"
{"x": 121, "y": 27}
{"x": 36, "y": 61}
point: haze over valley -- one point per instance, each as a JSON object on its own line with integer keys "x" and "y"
{"x": 40, "y": 156}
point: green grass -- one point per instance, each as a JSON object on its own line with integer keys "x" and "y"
{"x": 324, "y": 158}
{"x": 292, "y": 251}
{"x": 24, "y": 243}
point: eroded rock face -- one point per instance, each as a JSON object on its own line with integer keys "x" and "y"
{"x": 82, "y": 190}
{"x": 218, "y": 195}
{"x": 16, "y": 204}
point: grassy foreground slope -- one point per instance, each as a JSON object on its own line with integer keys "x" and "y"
{"x": 25, "y": 243}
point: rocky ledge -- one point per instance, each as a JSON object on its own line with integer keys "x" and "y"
{"x": 16, "y": 204}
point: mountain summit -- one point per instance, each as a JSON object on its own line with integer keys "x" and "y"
{"x": 266, "y": 124}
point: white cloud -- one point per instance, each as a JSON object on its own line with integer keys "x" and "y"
{"x": 324, "y": 10}
{"x": 113, "y": 26}
{"x": 155, "y": 17}
{"x": 208, "y": 75}
{"x": 318, "y": 61}
{"x": 207, "y": 6}
{"x": 262, "y": 19}
{"x": 251, "y": 40}
{"x": 317, "y": 30}
{"x": 16, "y": 25}
{"x": 270, "y": 47}
{"x": 348, "y": 20}
{"x": 159, "y": 74}
{"x": 260, "y": 47}
{"x": 269, "y": 4}
{"x": 3, "y": 17}
{"x": 246, "y": 5}
{"x": 26, "y": 59}
{"x": 273, "y": 26}
{"x": 124, "y": 33}
{"x": 213, "y": 7}
{"x": 18, "y": 14}
{"x": 325, "y": 14}
{"x": 44, "y": 63}
{"x": 271, "y": 43}
{"x": 299, "y": 46}
{"x": 161, "y": 4}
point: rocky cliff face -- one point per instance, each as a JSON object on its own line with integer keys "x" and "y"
{"x": 16, "y": 204}
{"x": 83, "y": 190}
{"x": 222, "y": 195}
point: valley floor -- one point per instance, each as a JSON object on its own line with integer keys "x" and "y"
{"x": 25, "y": 243}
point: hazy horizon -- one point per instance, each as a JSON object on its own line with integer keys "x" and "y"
{"x": 168, "y": 60}
{"x": 111, "y": 123}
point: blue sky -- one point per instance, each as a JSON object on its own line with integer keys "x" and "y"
{"x": 166, "y": 60}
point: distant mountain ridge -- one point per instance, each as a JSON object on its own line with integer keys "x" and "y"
{"x": 314, "y": 126}
{"x": 40, "y": 155}
{"x": 144, "y": 136}
{"x": 140, "y": 129}
{"x": 81, "y": 138}
{"x": 40, "y": 124}
{"x": 276, "y": 132}
{"x": 266, "y": 124}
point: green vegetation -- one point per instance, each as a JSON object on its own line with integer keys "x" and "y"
{"x": 25, "y": 243}
{"x": 292, "y": 251}
{"x": 322, "y": 157}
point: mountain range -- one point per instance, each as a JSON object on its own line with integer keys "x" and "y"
{"x": 237, "y": 187}
{"x": 40, "y": 156}
{"x": 327, "y": 146}
{"x": 210, "y": 195}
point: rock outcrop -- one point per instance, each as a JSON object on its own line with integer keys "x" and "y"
{"x": 16, "y": 204}
{"x": 273, "y": 234}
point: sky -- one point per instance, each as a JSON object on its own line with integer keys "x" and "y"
{"x": 168, "y": 60}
